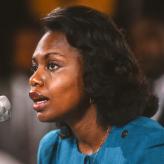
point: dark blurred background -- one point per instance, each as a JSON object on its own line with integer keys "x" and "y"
{"x": 141, "y": 22}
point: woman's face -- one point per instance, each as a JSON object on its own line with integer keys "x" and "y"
{"x": 57, "y": 83}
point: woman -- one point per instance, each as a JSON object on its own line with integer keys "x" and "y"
{"x": 86, "y": 79}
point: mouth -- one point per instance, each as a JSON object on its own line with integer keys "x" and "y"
{"x": 40, "y": 101}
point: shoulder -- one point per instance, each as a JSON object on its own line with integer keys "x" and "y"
{"x": 144, "y": 139}
{"x": 54, "y": 137}
{"x": 48, "y": 146}
{"x": 146, "y": 129}
{"x": 145, "y": 123}
{"x": 52, "y": 144}
{"x": 49, "y": 139}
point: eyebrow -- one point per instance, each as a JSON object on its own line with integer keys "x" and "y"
{"x": 53, "y": 53}
{"x": 49, "y": 54}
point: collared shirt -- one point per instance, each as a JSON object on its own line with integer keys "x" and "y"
{"x": 141, "y": 141}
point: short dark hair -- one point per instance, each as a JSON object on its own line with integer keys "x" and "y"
{"x": 112, "y": 77}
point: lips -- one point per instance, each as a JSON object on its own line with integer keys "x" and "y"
{"x": 40, "y": 101}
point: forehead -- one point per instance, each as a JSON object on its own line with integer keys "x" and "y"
{"x": 55, "y": 42}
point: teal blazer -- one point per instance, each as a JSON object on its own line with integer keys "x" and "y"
{"x": 141, "y": 141}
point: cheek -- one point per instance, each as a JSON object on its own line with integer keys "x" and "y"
{"x": 66, "y": 92}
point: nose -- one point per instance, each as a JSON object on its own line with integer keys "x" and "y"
{"x": 36, "y": 79}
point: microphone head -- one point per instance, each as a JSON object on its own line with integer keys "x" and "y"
{"x": 5, "y": 109}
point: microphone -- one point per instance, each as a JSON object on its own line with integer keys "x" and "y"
{"x": 5, "y": 108}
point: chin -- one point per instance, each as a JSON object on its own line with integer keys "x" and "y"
{"x": 44, "y": 118}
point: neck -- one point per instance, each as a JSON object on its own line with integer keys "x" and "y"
{"x": 89, "y": 133}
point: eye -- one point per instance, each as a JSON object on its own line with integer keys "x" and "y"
{"x": 52, "y": 66}
{"x": 34, "y": 67}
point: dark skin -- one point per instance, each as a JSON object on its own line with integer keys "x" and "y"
{"x": 57, "y": 90}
